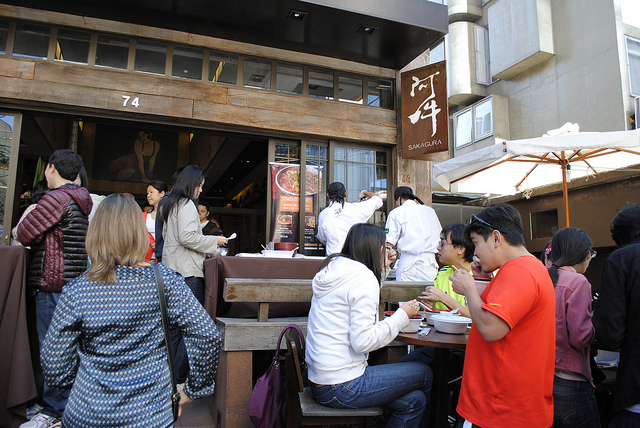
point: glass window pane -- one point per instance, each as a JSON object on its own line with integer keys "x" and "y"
{"x": 150, "y": 57}
{"x": 112, "y": 52}
{"x": 340, "y": 153}
{"x": 381, "y": 178}
{"x": 187, "y": 63}
{"x": 223, "y": 68}
{"x": 73, "y": 46}
{"x": 289, "y": 79}
{"x": 323, "y": 152}
{"x": 321, "y": 84}
{"x": 463, "y": 128}
{"x": 312, "y": 151}
{"x": 4, "y": 33}
{"x": 31, "y": 41}
{"x": 360, "y": 155}
{"x": 381, "y": 158}
{"x": 484, "y": 123}
{"x": 6, "y": 135}
{"x": 340, "y": 172}
{"x": 380, "y": 93}
{"x": 360, "y": 176}
{"x": 282, "y": 150}
{"x": 350, "y": 89}
{"x": 633, "y": 59}
{"x": 257, "y": 74}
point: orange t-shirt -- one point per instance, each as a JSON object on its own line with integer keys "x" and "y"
{"x": 509, "y": 382}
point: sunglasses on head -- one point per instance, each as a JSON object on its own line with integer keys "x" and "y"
{"x": 476, "y": 219}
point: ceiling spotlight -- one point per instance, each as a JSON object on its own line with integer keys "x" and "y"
{"x": 367, "y": 29}
{"x": 297, "y": 15}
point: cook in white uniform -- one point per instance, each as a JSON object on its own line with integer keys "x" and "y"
{"x": 335, "y": 220}
{"x": 414, "y": 229}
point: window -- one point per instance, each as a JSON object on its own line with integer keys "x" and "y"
{"x": 223, "y": 68}
{"x": 289, "y": 79}
{"x": 380, "y": 93}
{"x": 350, "y": 89}
{"x": 112, "y": 52}
{"x": 360, "y": 169}
{"x": 257, "y": 74}
{"x": 321, "y": 84}
{"x": 473, "y": 123}
{"x": 73, "y": 46}
{"x": 150, "y": 57}
{"x": 187, "y": 63}
{"x": 544, "y": 224}
{"x": 483, "y": 70}
{"x": 633, "y": 60}
{"x": 4, "y": 34}
{"x": 31, "y": 41}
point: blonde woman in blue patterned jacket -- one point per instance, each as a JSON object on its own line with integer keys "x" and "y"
{"x": 106, "y": 340}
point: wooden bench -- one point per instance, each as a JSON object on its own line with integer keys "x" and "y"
{"x": 242, "y": 336}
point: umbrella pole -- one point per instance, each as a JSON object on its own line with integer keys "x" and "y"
{"x": 565, "y": 189}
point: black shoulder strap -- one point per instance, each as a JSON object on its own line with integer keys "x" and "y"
{"x": 165, "y": 323}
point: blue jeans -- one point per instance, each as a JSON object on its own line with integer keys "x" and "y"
{"x": 574, "y": 404}
{"x": 54, "y": 400}
{"x": 180, "y": 359}
{"x": 405, "y": 388}
{"x": 625, "y": 419}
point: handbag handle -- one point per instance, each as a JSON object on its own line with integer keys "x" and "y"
{"x": 165, "y": 324}
{"x": 282, "y": 334}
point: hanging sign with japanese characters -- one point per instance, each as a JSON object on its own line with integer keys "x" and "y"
{"x": 425, "y": 111}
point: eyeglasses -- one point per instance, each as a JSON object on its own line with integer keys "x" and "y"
{"x": 476, "y": 219}
{"x": 442, "y": 243}
{"x": 593, "y": 253}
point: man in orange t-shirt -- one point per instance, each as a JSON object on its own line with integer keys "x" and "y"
{"x": 509, "y": 366}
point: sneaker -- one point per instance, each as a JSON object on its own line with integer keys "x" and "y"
{"x": 42, "y": 421}
{"x": 33, "y": 410}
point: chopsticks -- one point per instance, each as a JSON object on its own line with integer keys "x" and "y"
{"x": 425, "y": 307}
{"x": 455, "y": 268}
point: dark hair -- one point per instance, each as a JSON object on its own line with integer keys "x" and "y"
{"x": 337, "y": 192}
{"x": 204, "y": 204}
{"x": 569, "y": 247}
{"x": 67, "y": 163}
{"x": 84, "y": 178}
{"x": 364, "y": 244}
{"x": 175, "y": 176}
{"x": 459, "y": 239}
{"x": 625, "y": 226}
{"x": 160, "y": 186}
{"x": 501, "y": 217}
{"x": 217, "y": 219}
{"x": 184, "y": 188}
{"x": 39, "y": 189}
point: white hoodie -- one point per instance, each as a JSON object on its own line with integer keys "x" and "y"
{"x": 343, "y": 322}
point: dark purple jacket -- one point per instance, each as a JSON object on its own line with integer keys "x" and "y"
{"x": 574, "y": 329}
{"x": 56, "y": 229}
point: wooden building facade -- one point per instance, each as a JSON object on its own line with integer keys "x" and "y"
{"x": 101, "y": 82}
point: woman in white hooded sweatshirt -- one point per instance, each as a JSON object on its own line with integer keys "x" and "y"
{"x": 344, "y": 327}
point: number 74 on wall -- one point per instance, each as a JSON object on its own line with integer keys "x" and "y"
{"x": 134, "y": 102}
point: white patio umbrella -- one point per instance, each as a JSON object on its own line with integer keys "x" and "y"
{"x": 513, "y": 166}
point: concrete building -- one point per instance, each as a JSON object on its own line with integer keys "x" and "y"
{"x": 518, "y": 68}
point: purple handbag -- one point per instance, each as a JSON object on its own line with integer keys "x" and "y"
{"x": 268, "y": 402}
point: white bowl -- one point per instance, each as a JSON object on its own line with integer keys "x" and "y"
{"x": 454, "y": 324}
{"x": 414, "y": 323}
{"x": 428, "y": 314}
{"x": 278, "y": 253}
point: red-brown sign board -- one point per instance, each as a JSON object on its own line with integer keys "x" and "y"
{"x": 425, "y": 111}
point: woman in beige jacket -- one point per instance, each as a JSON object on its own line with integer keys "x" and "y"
{"x": 184, "y": 244}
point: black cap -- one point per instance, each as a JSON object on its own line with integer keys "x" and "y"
{"x": 406, "y": 193}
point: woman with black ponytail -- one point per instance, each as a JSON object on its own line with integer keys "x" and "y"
{"x": 574, "y": 400}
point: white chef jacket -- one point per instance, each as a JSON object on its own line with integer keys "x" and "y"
{"x": 415, "y": 230}
{"x": 335, "y": 221}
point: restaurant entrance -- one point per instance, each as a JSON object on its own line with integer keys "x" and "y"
{"x": 124, "y": 156}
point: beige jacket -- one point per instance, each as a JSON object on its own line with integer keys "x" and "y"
{"x": 184, "y": 244}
